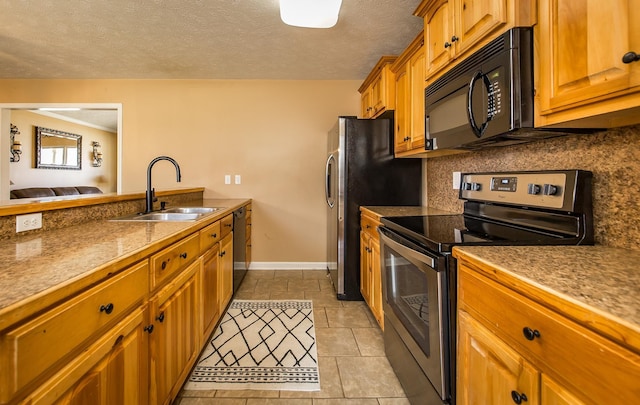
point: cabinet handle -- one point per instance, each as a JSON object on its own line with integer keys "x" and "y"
{"x": 530, "y": 334}
{"x": 454, "y": 38}
{"x": 160, "y": 318}
{"x": 214, "y": 235}
{"x": 148, "y": 329}
{"x": 227, "y": 225}
{"x": 183, "y": 255}
{"x": 517, "y": 397}
{"x": 447, "y": 45}
{"x": 630, "y": 57}
{"x": 106, "y": 308}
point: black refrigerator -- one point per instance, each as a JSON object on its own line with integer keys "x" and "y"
{"x": 360, "y": 170}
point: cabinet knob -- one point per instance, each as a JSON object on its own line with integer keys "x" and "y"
{"x": 164, "y": 264}
{"x": 106, "y": 308}
{"x": 214, "y": 235}
{"x": 160, "y": 318}
{"x": 227, "y": 225}
{"x": 447, "y": 45}
{"x": 454, "y": 38}
{"x": 224, "y": 252}
{"x": 517, "y": 397}
{"x": 530, "y": 334}
{"x": 148, "y": 329}
{"x": 183, "y": 255}
{"x": 630, "y": 57}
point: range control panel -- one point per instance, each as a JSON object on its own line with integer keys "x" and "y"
{"x": 548, "y": 189}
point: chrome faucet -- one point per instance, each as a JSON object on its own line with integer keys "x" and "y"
{"x": 151, "y": 192}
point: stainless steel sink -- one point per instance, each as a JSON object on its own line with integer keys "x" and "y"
{"x": 192, "y": 210}
{"x": 176, "y": 214}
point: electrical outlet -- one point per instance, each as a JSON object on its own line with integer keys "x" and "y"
{"x": 227, "y": 179}
{"x": 28, "y": 222}
{"x": 456, "y": 180}
{"x": 238, "y": 179}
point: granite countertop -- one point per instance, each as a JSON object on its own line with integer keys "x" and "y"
{"x": 597, "y": 280}
{"x": 32, "y": 266}
{"x": 404, "y": 211}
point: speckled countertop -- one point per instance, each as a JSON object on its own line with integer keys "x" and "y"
{"x": 407, "y": 211}
{"x": 600, "y": 280}
{"x": 32, "y": 266}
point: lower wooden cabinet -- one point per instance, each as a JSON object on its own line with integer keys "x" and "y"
{"x": 225, "y": 271}
{"x": 511, "y": 348}
{"x": 175, "y": 337}
{"x": 370, "y": 271}
{"x": 111, "y": 371}
{"x": 210, "y": 280}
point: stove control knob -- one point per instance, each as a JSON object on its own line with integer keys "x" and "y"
{"x": 466, "y": 186}
{"x": 549, "y": 189}
{"x": 533, "y": 189}
{"x": 476, "y": 186}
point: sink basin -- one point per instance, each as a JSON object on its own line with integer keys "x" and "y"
{"x": 176, "y": 214}
{"x": 192, "y": 210}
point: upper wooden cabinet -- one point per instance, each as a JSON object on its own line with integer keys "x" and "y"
{"x": 453, "y": 28}
{"x": 582, "y": 79}
{"x": 409, "y": 70}
{"x": 377, "y": 92}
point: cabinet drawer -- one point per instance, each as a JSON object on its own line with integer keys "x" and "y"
{"x": 564, "y": 349}
{"x": 209, "y": 236}
{"x": 226, "y": 225}
{"x": 165, "y": 263}
{"x": 369, "y": 226}
{"x": 31, "y": 349}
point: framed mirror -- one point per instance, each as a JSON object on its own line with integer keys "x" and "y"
{"x": 58, "y": 149}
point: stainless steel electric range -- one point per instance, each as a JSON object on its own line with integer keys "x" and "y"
{"x": 419, "y": 273}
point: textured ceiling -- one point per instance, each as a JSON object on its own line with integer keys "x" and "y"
{"x": 196, "y": 39}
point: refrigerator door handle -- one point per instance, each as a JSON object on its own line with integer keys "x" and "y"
{"x": 327, "y": 184}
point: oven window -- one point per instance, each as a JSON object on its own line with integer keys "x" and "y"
{"x": 411, "y": 297}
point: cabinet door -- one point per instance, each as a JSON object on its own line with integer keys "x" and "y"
{"x": 376, "y": 281}
{"x": 365, "y": 104}
{"x": 175, "y": 342}
{"x": 114, "y": 370}
{"x": 417, "y": 69}
{"x": 553, "y": 393}
{"x": 438, "y": 30}
{"x": 402, "y": 126}
{"x": 226, "y": 272}
{"x": 581, "y": 44}
{"x": 210, "y": 306}
{"x": 489, "y": 370}
{"x": 476, "y": 19}
{"x": 365, "y": 268}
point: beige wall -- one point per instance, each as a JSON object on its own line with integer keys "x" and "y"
{"x": 24, "y": 174}
{"x": 613, "y": 156}
{"x": 272, "y": 133}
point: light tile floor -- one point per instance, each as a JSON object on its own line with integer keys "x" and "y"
{"x": 353, "y": 367}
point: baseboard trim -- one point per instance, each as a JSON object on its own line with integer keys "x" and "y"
{"x": 288, "y": 266}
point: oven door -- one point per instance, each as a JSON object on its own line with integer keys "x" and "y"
{"x": 416, "y": 304}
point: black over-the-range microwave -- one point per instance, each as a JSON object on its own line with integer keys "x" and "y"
{"x": 486, "y": 100}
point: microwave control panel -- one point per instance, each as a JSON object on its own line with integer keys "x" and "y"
{"x": 535, "y": 189}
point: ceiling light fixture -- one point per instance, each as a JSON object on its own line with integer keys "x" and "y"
{"x": 310, "y": 13}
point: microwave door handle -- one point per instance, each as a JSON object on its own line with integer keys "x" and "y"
{"x": 478, "y": 130}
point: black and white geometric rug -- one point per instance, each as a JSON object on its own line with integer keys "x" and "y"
{"x": 262, "y": 345}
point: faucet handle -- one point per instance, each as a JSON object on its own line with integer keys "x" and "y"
{"x": 153, "y": 195}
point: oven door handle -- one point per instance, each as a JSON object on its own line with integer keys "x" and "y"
{"x": 385, "y": 236}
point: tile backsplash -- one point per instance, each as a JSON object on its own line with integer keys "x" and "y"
{"x": 613, "y": 156}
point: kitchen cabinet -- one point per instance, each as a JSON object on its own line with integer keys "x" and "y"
{"x": 377, "y": 92}
{"x": 582, "y": 79}
{"x": 370, "y": 270}
{"x": 38, "y": 348}
{"x": 175, "y": 333}
{"x": 248, "y": 226}
{"x": 511, "y": 347}
{"x": 114, "y": 370}
{"x": 409, "y": 71}
{"x": 210, "y": 250}
{"x": 455, "y": 28}
{"x": 225, "y": 271}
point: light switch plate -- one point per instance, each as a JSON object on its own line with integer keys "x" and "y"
{"x": 227, "y": 179}
{"x": 456, "y": 180}
{"x": 238, "y": 179}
